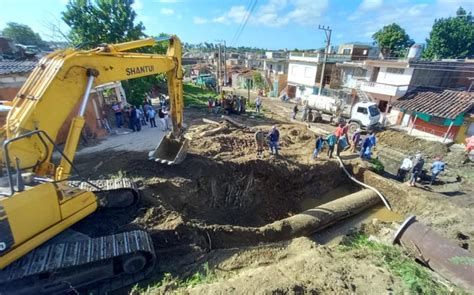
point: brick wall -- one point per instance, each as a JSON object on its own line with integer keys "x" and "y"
{"x": 90, "y": 117}
{"x": 437, "y": 130}
{"x": 8, "y": 93}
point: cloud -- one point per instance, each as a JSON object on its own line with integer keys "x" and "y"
{"x": 137, "y": 5}
{"x": 199, "y": 20}
{"x": 278, "y": 13}
{"x": 167, "y": 11}
{"x": 236, "y": 14}
{"x": 370, "y": 4}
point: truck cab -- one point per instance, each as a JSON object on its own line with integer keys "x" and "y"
{"x": 365, "y": 114}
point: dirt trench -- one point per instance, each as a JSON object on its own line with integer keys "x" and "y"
{"x": 223, "y": 184}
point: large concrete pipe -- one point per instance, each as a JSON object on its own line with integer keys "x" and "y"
{"x": 302, "y": 224}
{"x": 443, "y": 256}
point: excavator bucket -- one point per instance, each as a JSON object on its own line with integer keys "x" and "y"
{"x": 170, "y": 151}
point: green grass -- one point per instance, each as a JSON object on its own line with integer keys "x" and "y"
{"x": 118, "y": 174}
{"x": 377, "y": 166}
{"x": 205, "y": 276}
{"x": 196, "y": 96}
{"x": 415, "y": 277}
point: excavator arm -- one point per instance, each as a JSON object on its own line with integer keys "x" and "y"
{"x": 61, "y": 83}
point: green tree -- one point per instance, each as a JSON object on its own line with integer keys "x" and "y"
{"x": 101, "y": 21}
{"x": 451, "y": 37}
{"x": 109, "y": 21}
{"x": 393, "y": 40}
{"x": 22, "y": 34}
{"x": 258, "y": 80}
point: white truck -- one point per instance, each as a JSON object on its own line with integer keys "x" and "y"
{"x": 364, "y": 114}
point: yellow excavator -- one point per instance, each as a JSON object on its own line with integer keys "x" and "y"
{"x": 38, "y": 202}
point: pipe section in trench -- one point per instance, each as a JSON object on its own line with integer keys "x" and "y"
{"x": 441, "y": 255}
{"x": 302, "y": 224}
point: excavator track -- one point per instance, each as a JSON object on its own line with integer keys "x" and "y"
{"x": 112, "y": 193}
{"x": 92, "y": 266}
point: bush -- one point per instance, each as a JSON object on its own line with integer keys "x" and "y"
{"x": 377, "y": 166}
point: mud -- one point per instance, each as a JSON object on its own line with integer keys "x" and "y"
{"x": 222, "y": 185}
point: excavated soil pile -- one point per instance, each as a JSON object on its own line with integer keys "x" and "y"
{"x": 403, "y": 142}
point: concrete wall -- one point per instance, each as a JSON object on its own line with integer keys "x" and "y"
{"x": 393, "y": 78}
{"x": 302, "y": 73}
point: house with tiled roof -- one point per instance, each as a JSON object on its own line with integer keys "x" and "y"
{"x": 442, "y": 113}
{"x": 13, "y": 74}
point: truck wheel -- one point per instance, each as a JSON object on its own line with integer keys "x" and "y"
{"x": 317, "y": 117}
{"x": 310, "y": 117}
{"x": 353, "y": 127}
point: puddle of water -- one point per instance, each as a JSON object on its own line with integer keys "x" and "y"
{"x": 333, "y": 235}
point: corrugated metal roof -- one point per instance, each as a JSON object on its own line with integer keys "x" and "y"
{"x": 444, "y": 103}
{"x": 16, "y": 67}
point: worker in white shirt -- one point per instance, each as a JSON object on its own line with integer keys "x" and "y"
{"x": 406, "y": 166}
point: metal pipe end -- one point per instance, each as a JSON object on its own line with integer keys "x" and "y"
{"x": 405, "y": 224}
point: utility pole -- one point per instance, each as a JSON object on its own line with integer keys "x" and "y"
{"x": 225, "y": 64}
{"x": 219, "y": 70}
{"x": 327, "y": 31}
{"x": 225, "y": 60}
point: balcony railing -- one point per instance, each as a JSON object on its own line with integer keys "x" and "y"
{"x": 318, "y": 57}
{"x": 383, "y": 88}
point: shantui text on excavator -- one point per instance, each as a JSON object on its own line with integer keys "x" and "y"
{"x": 38, "y": 200}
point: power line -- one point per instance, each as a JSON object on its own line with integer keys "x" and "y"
{"x": 246, "y": 20}
{"x": 241, "y": 21}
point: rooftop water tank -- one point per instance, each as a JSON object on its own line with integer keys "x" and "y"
{"x": 415, "y": 51}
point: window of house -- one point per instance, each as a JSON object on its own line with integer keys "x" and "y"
{"x": 358, "y": 72}
{"x": 346, "y": 51}
{"x": 294, "y": 70}
{"x": 308, "y": 72}
{"x": 395, "y": 71}
{"x": 279, "y": 68}
{"x": 362, "y": 110}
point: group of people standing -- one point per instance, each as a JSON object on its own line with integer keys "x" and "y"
{"x": 230, "y": 103}
{"x": 415, "y": 166}
{"x": 273, "y": 138}
{"x": 136, "y": 117}
{"x": 339, "y": 141}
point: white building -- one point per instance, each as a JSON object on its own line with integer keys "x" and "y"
{"x": 305, "y": 68}
{"x": 383, "y": 80}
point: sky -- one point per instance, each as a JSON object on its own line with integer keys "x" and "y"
{"x": 271, "y": 24}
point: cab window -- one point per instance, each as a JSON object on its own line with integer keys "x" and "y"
{"x": 362, "y": 110}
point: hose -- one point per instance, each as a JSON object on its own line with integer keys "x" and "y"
{"x": 69, "y": 162}
{"x": 363, "y": 184}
